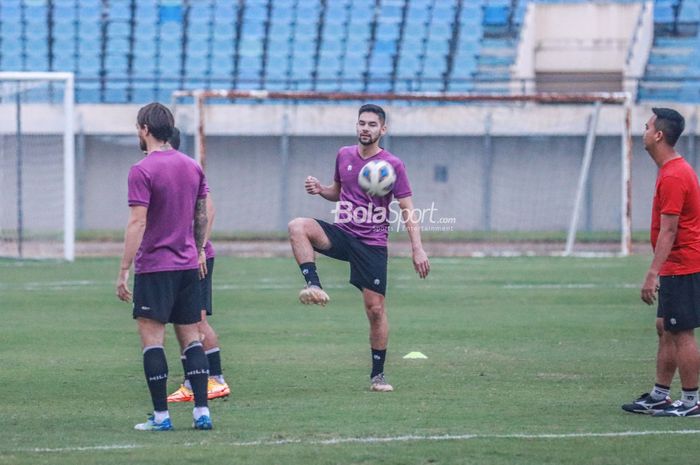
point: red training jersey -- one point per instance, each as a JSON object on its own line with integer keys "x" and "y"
{"x": 678, "y": 193}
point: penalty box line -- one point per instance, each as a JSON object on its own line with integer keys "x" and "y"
{"x": 374, "y": 440}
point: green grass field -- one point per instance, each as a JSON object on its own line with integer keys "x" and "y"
{"x": 528, "y": 362}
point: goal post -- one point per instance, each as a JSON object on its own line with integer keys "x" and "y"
{"x": 37, "y": 165}
{"x": 575, "y": 198}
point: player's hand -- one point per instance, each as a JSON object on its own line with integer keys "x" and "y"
{"x": 312, "y": 185}
{"x": 649, "y": 288}
{"x": 203, "y": 265}
{"x": 123, "y": 291}
{"x": 421, "y": 263}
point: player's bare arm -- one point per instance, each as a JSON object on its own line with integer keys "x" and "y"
{"x": 133, "y": 235}
{"x": 664, "y": 244}
{"x": 313, "y": 186}
{"x": 420, "y": 259}
{"x": 211, "y": 211}
{"x": 200, "y": 223}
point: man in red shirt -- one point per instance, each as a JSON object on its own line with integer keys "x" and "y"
{"x": 675, "y": 270}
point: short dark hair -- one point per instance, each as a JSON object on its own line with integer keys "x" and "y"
{"x": 670, "y": 123}
{"x": 175, "y": 139}
{"x": 372, "y": 108}
{"x": 159, "y": 120}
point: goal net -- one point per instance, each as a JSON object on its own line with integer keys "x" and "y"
{"x": 36, "y": 165}
{"x": 523, "y": 174}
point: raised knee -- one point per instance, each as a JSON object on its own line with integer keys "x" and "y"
{"x": 296, "y": 226}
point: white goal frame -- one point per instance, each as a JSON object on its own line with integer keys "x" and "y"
{"x": 68, "y": 80}
{"x": 596, "y": 99}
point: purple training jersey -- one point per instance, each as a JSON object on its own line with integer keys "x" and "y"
{"x": 358, "y": 213}
{"x": 169, "y": 184}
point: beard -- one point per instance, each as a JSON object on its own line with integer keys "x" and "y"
{"x": 367, "y": 139}
{"x": 142, "y": 145}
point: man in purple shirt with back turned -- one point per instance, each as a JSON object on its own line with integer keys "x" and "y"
{"x": 165, "y": 238}
{"x": 359, "y": 234}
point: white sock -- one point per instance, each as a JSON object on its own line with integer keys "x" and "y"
{"x": 199, "y": 411}
{"x": 219, "y": 378}
{"x": 160, "y": 417}
{"x": 659, "y": 393}
{"x": 689, "y": 398}
{"x": 187, "y": 384}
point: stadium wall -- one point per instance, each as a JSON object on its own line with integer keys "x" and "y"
{"x": 535, "y": 149}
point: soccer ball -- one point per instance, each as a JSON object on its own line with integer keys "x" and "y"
{"x": 377, "y": 178}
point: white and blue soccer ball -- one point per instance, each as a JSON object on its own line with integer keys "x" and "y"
{"x": 377, "y": 178}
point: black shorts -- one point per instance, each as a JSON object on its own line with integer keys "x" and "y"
{"x": 367, "y": 263}
{"x": 206, "y": 287}
{"x": 168, "y": 296}
{"x": 679, "y": 302}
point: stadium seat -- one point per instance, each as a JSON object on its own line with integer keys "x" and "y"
{"x": 87, "y": 92}
{"x": 495, "y": 15}
{"x": 11, "y": 62}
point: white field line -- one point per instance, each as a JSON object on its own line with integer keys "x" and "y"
{"x": 377, "y": 440}
{"x": 49, "y": 285}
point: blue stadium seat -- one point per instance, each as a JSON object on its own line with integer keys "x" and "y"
{"x": 115, "y": 91}
{"x": 87, "y": 92}
{"x": 251, "y": 47}
{"x": 221, "y": 67}
{"x": 165, "y": 90}
{"x": 11, "y": 62}
{"x": 249, "y": 67}
{"x": 118, "y": 29}
{"x": 170, "y": 13}
{"x": 354, "y": 65}
{"x": 11, "y": 12}
{"x": 330, "y": 85}
{"x": 90, "y": 10}
{"x": 329, "y": 66}
{"x": 142, "y": 93}
{"x": 116, "y": 65}
{"x": 64, "y": 60}
{"x": 434, "y": 66}
{"x": 336, "y": 12}
{"x": 223, "y": 46}
{"x": 39, "y": 62}
{"x": 387, "y": 31}
{"x": 144, "y": 69}
{"x": 495, "y": 15}
{"x": 64, "y": 30}
{"x": 89, "y": 31}
{"x": 196, "y": 66}
{"x": 332, "y": 45}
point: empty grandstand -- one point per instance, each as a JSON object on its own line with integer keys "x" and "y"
{"x": 135, "y": 51}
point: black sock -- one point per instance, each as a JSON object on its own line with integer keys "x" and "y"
{"x": 155, "y": 367}
{"x": 308, "y": 270}
{"x": 184, "y": 368}
{"x": 378, "y": 357}
{"x": 197, "y": 372}
{"x": 214, "y": 358}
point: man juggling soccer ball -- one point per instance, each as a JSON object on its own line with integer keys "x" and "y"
{"x": 367, "y": 178}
